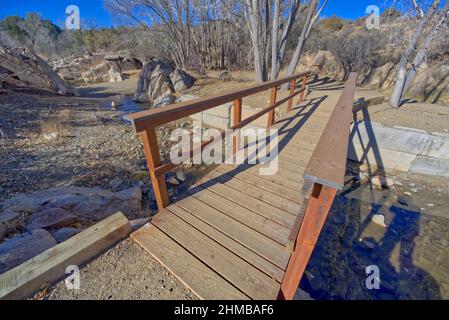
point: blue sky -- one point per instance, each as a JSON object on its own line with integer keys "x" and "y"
{"x": 93, "y": 10}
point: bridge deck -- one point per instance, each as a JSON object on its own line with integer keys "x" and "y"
{"x": 232, "y": 235}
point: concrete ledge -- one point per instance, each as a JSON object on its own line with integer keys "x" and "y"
{"x": 398, "y": 139}
{"x": 400, "y": 148}
{"x": 221, "y": 117}
{"x": 430, "y": 166}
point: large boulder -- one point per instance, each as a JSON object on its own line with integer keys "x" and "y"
{"x": 56, "y": 207}
{"x": 181, "y": 80}
{"x": 159, "y": 80}
{"x": 151, "y": 78}
{"x": 20, "y": 248}
{"x": 30, "y": 71}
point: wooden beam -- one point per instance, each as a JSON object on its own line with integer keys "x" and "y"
{"x": 327, "y": 166}
{"x": 273, "y": 95}
{"x": 292, "y": 91}
{"x": 49, "y": 266}
{"x": 303, "y": 89}
{"x": 153, "y": 157}
{"x": 318, "y": 207}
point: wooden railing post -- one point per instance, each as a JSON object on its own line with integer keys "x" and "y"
{"x": 151, "y": 148}
{"x": 237, "y": 119}
{"x": 292, "y": 91}
{"x": 273, "y": 95}
{"x": 303, "y": 90}
{"x": 318, "y": 207}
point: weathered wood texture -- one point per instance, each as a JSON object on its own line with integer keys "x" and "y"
{"x": 49, "y": 266}
{"x": 327, "y": 165}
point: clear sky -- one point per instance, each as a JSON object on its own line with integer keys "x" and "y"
{"x": 94, "y": 11}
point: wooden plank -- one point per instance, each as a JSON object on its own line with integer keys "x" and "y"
{"x": 198, "y": 277}
{"x": 327, "y": 165}
{"x": 255, "y": 192}
{"x": 49, "y": 266}
{"x": 273, "y": 96}
{"x": 247, "y": 217}
{"x": 153, "y": 157}
{"x": 318, "y": 207}
{"x": 232, "y": 245}
{"x": 261, "y": 208}
{"x": 234, "y": 269}
{"x": 261, "y": 183}
{"x": 253, "y": 240}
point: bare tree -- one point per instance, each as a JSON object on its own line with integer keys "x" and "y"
{"x": 257, "y": 13}
{"x": 281, "y": 33}
{"x": 303, "y": 37}
{"x": 416, "y": 50}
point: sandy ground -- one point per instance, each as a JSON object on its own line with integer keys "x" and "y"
{"x": 125, "y": 271}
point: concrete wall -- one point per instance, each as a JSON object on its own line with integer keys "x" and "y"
{"x": 400, "y": 148}
{"x": 221, "y": 117}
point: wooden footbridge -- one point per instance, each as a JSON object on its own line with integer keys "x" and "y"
{"x": 236, "y": 234}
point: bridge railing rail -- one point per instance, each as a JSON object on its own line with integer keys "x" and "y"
{"x": 146, "y": 122}
{"x": 323, "y": 175}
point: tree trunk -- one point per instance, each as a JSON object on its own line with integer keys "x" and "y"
{"x": 401, "y": 78}
{"x": 274, "y": 39}
{"x": 302, "y": 38}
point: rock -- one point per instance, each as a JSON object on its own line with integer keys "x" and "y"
{"x": 148, "y": 82}
{"x": 181, "y": 176}
{"x": 181, "y": 80}
{"x": 402, "y": 201}
{"x": 30, "y": 71}
{"x": 369, "y": 244}
{"x": 407, "y": 193}
{"x": 10, "y": 220}
{"x": 225, "y": 76}
{"x": 65, "y": 233}
{"x": 51, "y": 218}
{"x": 379, "y": 219}
{"x": 379, "y": 181}
{"x": 164, "y": 100}
{"x": 20, "y": 248}
{"x": 173, "y": 181}
{"x": 93, "y": 203}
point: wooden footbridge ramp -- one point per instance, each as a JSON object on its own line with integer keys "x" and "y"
{"x": 237, "y": 234}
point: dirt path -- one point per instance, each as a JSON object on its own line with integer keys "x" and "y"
{"x": 124, "y": 272}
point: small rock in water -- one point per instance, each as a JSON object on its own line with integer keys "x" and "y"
{"x": 430, "y": 205}
{"x": 181, "y": 176}
{"x": 369, "y": 244}
{"x": 379, "y": 219}
{"x": 402, "y": 201}
{"x": 408, "y": 193}
{"x": 379, "y": 181}
{"x": 412, "y": 184}
{"x": 173, "y": 181}
{"x": 414, "y": 190}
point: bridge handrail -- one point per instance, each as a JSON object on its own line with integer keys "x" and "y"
{"x": 327, "y": 166}
{"x": 145, "y": 122}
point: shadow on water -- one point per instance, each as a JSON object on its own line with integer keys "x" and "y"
{"x": 350, "y": 241}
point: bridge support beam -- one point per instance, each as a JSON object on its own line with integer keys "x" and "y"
{"x": 318, "y": 206}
